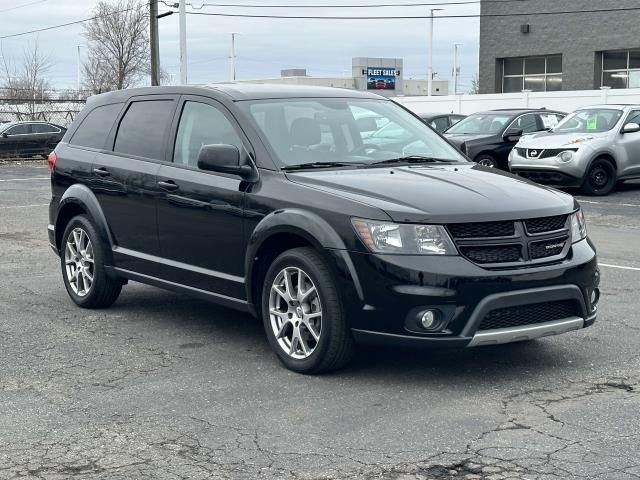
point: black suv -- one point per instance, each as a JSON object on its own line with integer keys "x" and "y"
{"x": 488, "y": 137}
{"x": 269, "y": 200}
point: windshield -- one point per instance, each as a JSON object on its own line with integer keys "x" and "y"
{"x": 481, "y": 124}
{"x": 589, "y": 121}
{"x": 344, "y": 130}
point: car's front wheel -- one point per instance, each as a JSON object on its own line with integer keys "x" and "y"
{"x": 302, "y": 314}
{"x": 486, "y": 161}
{"x": 82, "y": 257}
{"x": 600, "y": 178}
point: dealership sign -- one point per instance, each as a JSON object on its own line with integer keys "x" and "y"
{"x": 382, "y": 78}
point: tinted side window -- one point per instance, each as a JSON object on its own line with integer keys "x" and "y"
{"x": 527, "y": 123}
{"x": 201, "y": 124}
{"x": 440, "y": 124}
{"x": 95, "y": 127}
{"x": 43, "y": 128}
{"x": 142, "y": 129}
{"x": 21, "y": 129}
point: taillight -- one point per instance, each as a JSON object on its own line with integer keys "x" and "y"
{"x": 51, "y": 160}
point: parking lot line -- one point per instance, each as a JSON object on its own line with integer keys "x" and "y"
{"x": 25, "y": 206}
{"x": 637, "y": 269}
{"x": 24, "y": 179}
{"x": 591, "y": 202}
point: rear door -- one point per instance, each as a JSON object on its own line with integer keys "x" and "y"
{"x": 630, "y": 143}
{"x": 44, "y": 136}
{"x": 124, "y": 179}
{"x": 200, "y": 214}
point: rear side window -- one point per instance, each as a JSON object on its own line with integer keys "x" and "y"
{"x": 142, "y": 129}
{"x": 44, "y": 128}
{"x": 95, "y": 127}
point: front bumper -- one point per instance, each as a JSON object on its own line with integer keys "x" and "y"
{"x": 548, "y": 171}
{"x": 388, "y": 291}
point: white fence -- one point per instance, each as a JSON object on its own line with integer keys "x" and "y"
{"x": 563, "y": 101}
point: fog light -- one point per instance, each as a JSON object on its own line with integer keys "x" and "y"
{"x": 429, "y": 319}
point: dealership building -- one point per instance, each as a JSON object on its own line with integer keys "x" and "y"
{"x": 520, "y": 49}
{"x": 384, "y": 76}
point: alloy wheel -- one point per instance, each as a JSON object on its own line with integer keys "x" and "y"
{"x": 79, "y": 262}
{"x": 295, "y": 312}
{"x": 485, "y": 162}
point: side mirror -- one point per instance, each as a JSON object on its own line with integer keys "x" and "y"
{"x": 631, "y": 128}
{"x": 224, "y": 159}
{"x": 513, "y": 134}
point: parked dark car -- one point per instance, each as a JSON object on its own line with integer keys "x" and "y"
{"x": 231, "y": 193}
{"x": 488, "y": 137}
{"x": 441, "y": 121}
{"x": 29, "y": 138}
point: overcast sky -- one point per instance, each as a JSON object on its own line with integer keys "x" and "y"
{"x": 263, "y": 46}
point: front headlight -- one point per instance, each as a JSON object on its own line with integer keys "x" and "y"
{"x": 565, "y": 156}
{"x": 578, "y": 227}
{"x": 404, "y": 238}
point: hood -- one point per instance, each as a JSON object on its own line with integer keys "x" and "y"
{"x": 441, "y": 193}
{"x": 460, "y": 138}
{"x": 559, "y": 140}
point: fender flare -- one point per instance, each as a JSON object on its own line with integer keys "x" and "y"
{"x": 80, "y": 195}
{"x": 302, "y": 223}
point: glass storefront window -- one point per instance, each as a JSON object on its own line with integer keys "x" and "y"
{"x": 621, "y": 69}
{"x": 615, "y": 79}
{"x": 537, "y": 74}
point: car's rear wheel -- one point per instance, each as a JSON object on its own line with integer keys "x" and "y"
{"x": 486, "y": 161}
{"x": 82, "y": 257}
{"x": 302, "y": 314}
{"x": 600, "y": 178}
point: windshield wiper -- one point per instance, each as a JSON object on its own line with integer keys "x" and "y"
{"x": 414, "y": 159}
{"x": 303, "y": 166}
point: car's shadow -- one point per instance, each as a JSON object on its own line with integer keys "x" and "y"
{"x": 196, "y": 322}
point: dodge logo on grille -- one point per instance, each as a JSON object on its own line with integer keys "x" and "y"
{"x": 553, "y": 246}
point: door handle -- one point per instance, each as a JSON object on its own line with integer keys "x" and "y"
{"x": 103, "y": 172}
{"x": 169, "y": 185}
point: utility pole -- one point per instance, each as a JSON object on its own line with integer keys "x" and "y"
{"x": 430, "y": 54}
{"x": 456, "y": 69}
{"x": 79, "y": 71}
{"x": 153, "y": 38}
{"x": 233, "y": 57}
{"x": 183, "y": 42}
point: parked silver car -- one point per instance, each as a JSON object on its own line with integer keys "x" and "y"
{"x": 592, "y": 148}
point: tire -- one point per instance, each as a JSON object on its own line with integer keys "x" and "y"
{"x": 103, "y": 290}
{"x": 600, "y": 178}
{"x": 486, "y": 160}
{"x": 297, "y": 347}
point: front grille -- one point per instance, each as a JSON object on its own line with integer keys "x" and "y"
{"x": 546, "y": 224}
{"x": 521, "y": 151}
{"x": 493, "y": 254}
{"x": 547, "y": 248}
{"x": 515, "y": 243}
{"x": 552, "y": 152}
{"x": 482, "y": 230}
{"x": 530, "y": 314}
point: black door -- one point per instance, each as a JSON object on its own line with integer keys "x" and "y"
{"x": 45, "y": 137}
{"x": 16, "y": 140}
{"x": 124, "y": 180}
{"x": 200, "y": 215}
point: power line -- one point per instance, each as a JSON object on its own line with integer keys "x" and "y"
{"x": 411, "y": 17}
{"x": 371, "y": 5}
{"x": 62, "y": 25}
{"x": 22, "y": 6}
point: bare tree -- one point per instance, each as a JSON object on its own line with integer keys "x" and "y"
{"x": 118, "y": 45}
{"x": 475, "y": 84}
{"x": 24, "y": 82}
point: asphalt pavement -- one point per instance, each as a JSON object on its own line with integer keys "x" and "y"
{"x": 166, "y": 387}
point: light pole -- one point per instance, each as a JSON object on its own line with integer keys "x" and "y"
{"x": 183, "y": 41}
{"x": 79, "y": 70}
{"x": 233, "y": 57}
{"x": 455, "y": 67}
{"x": 430, "y": 67}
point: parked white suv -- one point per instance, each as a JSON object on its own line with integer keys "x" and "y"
{"x": 592, "y": 148}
